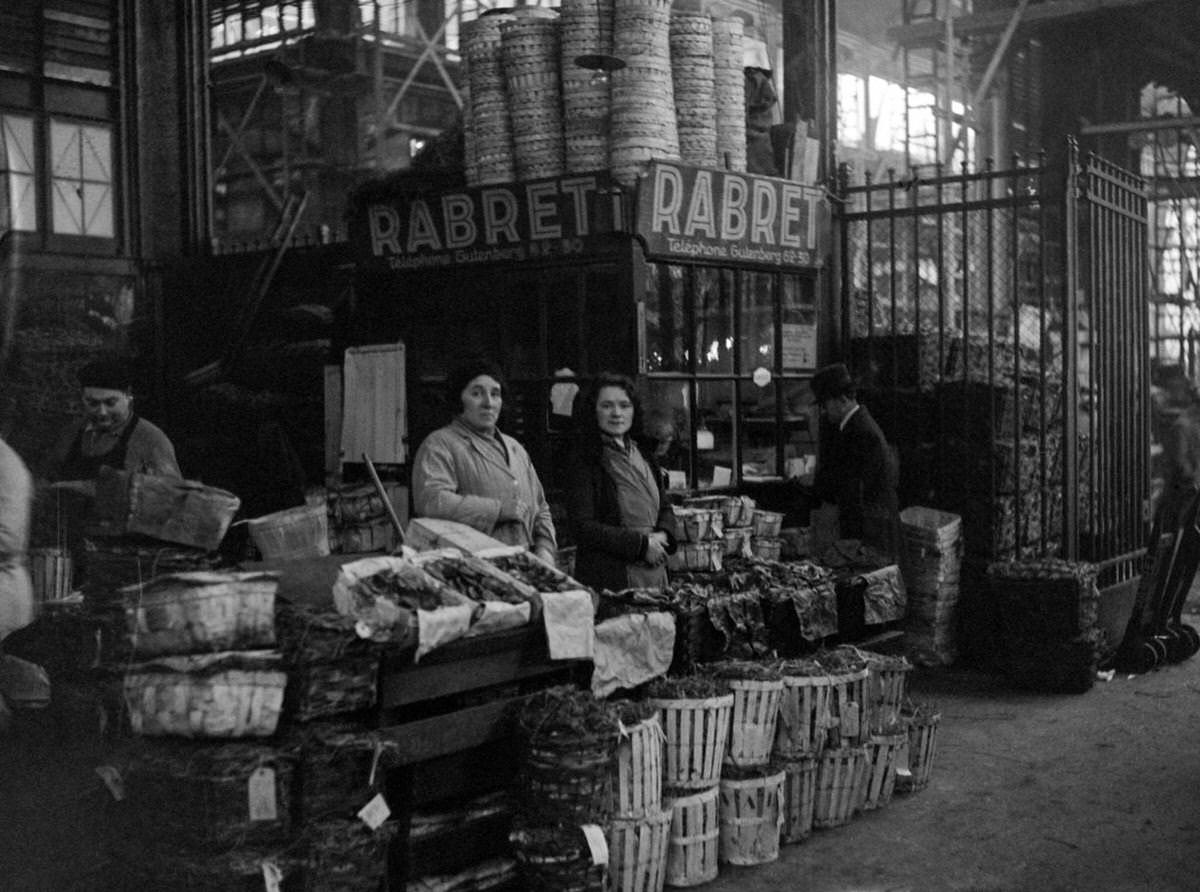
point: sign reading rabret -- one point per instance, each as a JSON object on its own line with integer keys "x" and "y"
{"x": 516, "y": 221}
{"x": 692, "y": 213}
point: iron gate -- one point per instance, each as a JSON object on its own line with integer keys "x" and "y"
{"x": 998, "y": 322}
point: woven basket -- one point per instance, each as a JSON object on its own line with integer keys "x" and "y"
{"x": 695, "y": 837}
{"x": 342, "y": 767}
{"x": 799, "y": 798}
{"x": 200, "y": 794}
{"x": 346, "y": 856}
{"x": 218, "y": 695}
{"x": 752, "y": 726}
{"x": 766, "y": 549}
{"x": 637, "y": 852}
{"x": 751, "y": 814}
{"x": 922, "y": 747}
{"x": 698, "y": 524}
{"x": 557, "y": 860}
{"x": 699, "y": 557}
{"x": 696, "y": 735}
{"x": 804, "y": 716}
{"x": 318, "y": 690}
{"x": 201, "y": 612}
{"x": 637, "y": 781}
{"x": 841, "y": 773}
{"x": 767, "y": 523}
{"x": 737, "y": 542}
{"x": 567, "y": 778}
{"x": 114, "y": 564}
{"x": 883, "y": 757}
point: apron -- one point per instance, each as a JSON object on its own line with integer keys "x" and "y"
{"x": 78, "y": 466}
{"x": 637, "y": 500}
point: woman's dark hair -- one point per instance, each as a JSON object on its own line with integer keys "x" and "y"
{"x": 466, "y": 372}
{"x": 586, "y": 426}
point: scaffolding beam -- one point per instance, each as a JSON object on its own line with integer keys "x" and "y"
{"x": 979, "y": 23}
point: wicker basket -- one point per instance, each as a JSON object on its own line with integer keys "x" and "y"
{"x": 767, "y": 523}
{"x": 883, "y": 757}
{"x": 696, "y": 734}
{"x": 752, "y": 727}
{"x": 766, "y": 549}
{"x": 218, "y": 796}
{"x": 695, "y": 836}
{"x": 637, "y": 852}
{"x": 702, "y": 557}
{"x": 331, "y": 670}
{"x": 341, "y": 767}
{"x": 166, "y": 508}
{"x": 201, "y": 612}
{"x": 557, "y": 860}
{"x": 737, "y": 541}
{"x": 841, "y": 773}
{"x": 849, "y": 706}
{"x": 113, "y": 564}
{"x": 699, "y": 524}
{"x": 292, "y": 533}
{"x": 799, "y": 798}
{"x": 218, "y": 695}
{"x": 804, "y": 716}
{"x": 922, "y": 747}
{"x": 751, "y": 814}
{"x": 346, "y": 856}
{"x": 637, "y": 781}
{"x": 567, "y": 779}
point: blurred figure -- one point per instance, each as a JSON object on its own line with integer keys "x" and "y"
{"x": 1177, "y": 426}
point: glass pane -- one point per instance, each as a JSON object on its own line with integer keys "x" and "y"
{"x": 97, "y": 153}
{"x": 22, "y": 197}
{"x": 308, "y": 15}
{"x": 666, "y": 345}
{"x": 233, "y": 28}
{"x": 757, "y": 430}
{"x": 799, "y": 324}
{"x": 714, "y": 320}
{"x": 64, "y": 150}
{"x": 65, "y": 210}
{"x": 270, "y": 20}
{"x": 18, "y": 144}
{"x": 251, "y": 27}
{"x": 757, "y": 291}
{"x": 714, "y": 445}
{"x": 667, "y": 422}
{"x": 97, "y": 210}
{"x": 613, "y": 349}
{"x": 291, "y": 17}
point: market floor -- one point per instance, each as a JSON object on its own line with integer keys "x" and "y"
{"x": 1042, "y": 793}
{"x": 1099, "y": 791}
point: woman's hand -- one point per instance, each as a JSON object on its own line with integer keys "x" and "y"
{"x": 656, "y": 548}
{"x": 547, "y": 555}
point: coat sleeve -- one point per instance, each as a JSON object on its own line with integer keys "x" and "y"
{"x": 590, "y": 532}
{"x": 435, "y": 489}
{"x": 542, "y": 529}
{"x": 151, "y": 452}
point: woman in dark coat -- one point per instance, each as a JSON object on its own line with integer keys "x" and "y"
{"x": 622, "y": 522}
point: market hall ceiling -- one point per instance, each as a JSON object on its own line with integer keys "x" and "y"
{"x": 1156, "y": 40}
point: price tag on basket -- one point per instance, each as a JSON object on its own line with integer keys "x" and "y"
{"x": 272, "y": 876}
{"x": 375, "y": 812}
{"x": 597, "y": 842}
{"x": 261, "y": 789}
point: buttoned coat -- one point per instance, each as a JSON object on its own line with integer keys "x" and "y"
{"x": 456, "y": 477}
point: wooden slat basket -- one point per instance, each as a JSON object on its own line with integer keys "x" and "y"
{"x": 752, "y": 726}
{"x": 840, "y": 775}
{"x": 804, "y": 716}
{"x": 751, "y": 815}
{"x": 696, "y": 734}
{"x": 884, "y": 751}
{"x": 849, "y": 707}
{"x": 638, "y": 780}
{"x": 799, "y": 798}
{"x": 922, "y": 747}
{"x": 637, "y": 852}
{"x": 557, "y": 860}
{"x": 695, "y": 833}
{"x": 887, "y": 686}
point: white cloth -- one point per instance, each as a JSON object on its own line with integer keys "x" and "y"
{"x": 16, "y": 498}
{"x": 374, "y": 414}
{"x": 632, "y": 649}
{"x": 570, "y": 624}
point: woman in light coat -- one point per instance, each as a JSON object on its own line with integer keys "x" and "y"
{"x": 16, "y": 496}
{"x": 470, "y": 472}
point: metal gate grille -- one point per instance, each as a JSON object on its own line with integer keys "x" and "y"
{"x": 997, "y": 320}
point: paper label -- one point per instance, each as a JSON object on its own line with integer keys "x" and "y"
{"x": 850, "y": 719}
{"x": 272, "y": 876}
{"x": 375, "y": 812}
{"x": 594, "y": 834}
{"x": 113, "y": 780}
{"x": 261, "y": 788}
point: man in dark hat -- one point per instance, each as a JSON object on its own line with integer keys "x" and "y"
{"x": 856, "y": 469}
{"x": 110, "y": 433}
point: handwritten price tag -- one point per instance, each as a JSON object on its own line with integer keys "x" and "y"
{"x": 261, "y": 789}
{"x": 375, "y": 812}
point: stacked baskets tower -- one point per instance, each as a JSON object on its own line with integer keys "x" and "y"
{"x": 729, "y": 89}
{"x": 488, "y": 120}
{"x": 531, "y": 49}
{"x": 643, "y": 93}
{"x": 640, "y": 830}
{"x": 587, "y": 28}
{"x": 696, "y": 103}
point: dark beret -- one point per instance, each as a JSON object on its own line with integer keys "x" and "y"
{"x": 831, "y": 382}
{"x": 109, "y": 373}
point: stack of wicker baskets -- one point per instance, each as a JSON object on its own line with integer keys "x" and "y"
{"x": 643, "y": 94}
{"x": 729, "y": 90}
{"x": 587, "y": 29}
{"x": 488, "y": 120}
{"x": 931, "y": 559}
{"x": 530, "y": 48}
{"x": 695, "y": 101}
{"x": 640, "y": 830}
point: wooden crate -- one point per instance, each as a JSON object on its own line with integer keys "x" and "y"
{"x": 841, "y": 773}
{"x": 799, "y": 798}
{"x": 637, "y": 852}
{"x": 752, "y": 727}
{"x": 883, "y": 756}
{"x": 804, "y": 716}
{"x": 638, "y": 778}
